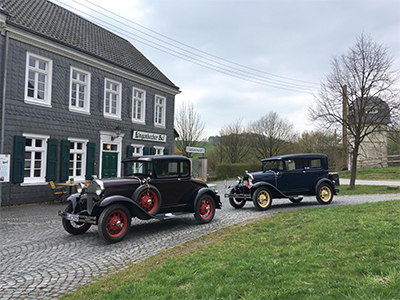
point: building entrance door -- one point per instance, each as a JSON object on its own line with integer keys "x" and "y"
{"x": 110, "y": 165}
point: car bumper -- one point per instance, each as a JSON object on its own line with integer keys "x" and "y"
{"x": 78, "y": 218}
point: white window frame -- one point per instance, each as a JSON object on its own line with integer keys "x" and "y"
{"x": 159, "y": 150}
{"x": 117, "y": 93}
{"x": 48, "y": 73}
{"x": 157, "y": 106}
{"x": 137, "y": 150}
{"x": 75, "y": 152}
{"x": 143, "y": 108}
{"x": 86, "y": 106}
{"x": 43, "y": 150}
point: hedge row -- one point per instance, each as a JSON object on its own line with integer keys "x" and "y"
{"x": 225, "y": 171}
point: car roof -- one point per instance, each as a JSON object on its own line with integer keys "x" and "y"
{"x": 152, "y": 158}
{"x": 294, "y": 156}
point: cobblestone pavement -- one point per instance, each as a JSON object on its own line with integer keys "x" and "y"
{"x": 39, "y": 260}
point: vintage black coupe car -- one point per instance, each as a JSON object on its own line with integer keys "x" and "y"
{"x": 152, "y": 187}
{"x": 287, "y": 176}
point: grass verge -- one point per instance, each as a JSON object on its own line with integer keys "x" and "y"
{"x": 346, "y": 252}
{"x": 366, "y": 190}
{"x": 388, "y": 173}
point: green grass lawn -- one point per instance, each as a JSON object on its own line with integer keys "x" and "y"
{"x": 389, "y": 173}
{"x": 345, "y": 252}
{"x": 366, "y": 189}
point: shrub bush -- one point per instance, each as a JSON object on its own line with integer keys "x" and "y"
{"x": 225, "y": 171}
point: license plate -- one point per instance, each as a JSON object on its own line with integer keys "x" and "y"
{"x": 72, "y": 217}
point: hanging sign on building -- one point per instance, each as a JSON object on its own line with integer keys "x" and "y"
{"x": 148, "y": 136}
{"x": 5, "y": 167}
{"x": 195, "y": 150}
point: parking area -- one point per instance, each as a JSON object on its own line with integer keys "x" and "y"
{"x": 39, "y": 260}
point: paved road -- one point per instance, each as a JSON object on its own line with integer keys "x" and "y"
{"x": 39, "y": 260}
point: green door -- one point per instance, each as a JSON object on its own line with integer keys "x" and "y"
{"x": 110, "y": 165}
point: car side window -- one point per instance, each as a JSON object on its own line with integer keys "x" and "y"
{"x": 294, "y": 164}
{"x": 312, "y": 163}
{"x": 167, "y": 169}
{"x": 185, "y": 169}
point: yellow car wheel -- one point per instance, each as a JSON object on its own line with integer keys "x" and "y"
{"x": 262, "y": 199}
{"x": 324, "y": 194}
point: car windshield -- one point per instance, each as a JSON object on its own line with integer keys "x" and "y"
{"x": 138, "y": 168}
{"x": 274, "y": 165}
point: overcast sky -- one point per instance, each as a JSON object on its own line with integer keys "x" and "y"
{"x": 281, "y": 50}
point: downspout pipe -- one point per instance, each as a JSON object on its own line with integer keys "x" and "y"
{"x": 3, "y": 104}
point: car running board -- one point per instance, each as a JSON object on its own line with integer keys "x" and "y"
{"x": 296, "y": 198}
{"x": 170, "y": 215}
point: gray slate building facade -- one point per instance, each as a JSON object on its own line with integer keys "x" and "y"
{"x": 78, "y": 100}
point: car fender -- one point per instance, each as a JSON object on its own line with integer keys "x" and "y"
{"x": 74, "y": 198}
{"x": 133, "y": 207}
{"x": 276, "y": 193}
{"x": 208, "y": 191}
{"x": 324, "y": 180}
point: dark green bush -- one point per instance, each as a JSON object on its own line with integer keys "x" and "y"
{"x": 225, "y": 171}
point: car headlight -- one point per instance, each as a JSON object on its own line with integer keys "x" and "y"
{"x": 80, "y": 188}
{"x": 99, "y": 187}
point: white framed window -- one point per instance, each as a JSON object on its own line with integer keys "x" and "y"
{"x": 159, "y": 150}
{"x": 137, "y": 151}
{"x": 159, "y": 111}
{"x": 138, "y": 106}
{"x": 112, "y": 99}
{"x": 79, "y": 91}
{"x": 38, "y": 78}
{"x": 35, "y": 158}
{"x": 77, "y": 159}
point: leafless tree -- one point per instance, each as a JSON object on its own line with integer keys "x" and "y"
{"x": 366, "y": 71}
{"x": 269, "y": 135}
{"x": 322, "y": 142}
{"x": 189, "y": 126}
{"x": 232, "y": 143}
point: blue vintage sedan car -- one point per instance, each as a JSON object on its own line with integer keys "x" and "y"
{"x": 288, "y": 176}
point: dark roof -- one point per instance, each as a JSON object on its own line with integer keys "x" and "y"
{"x": 151, "y": 158}
{"x": 294, "y": 156}
{"x": 61, "y": 25}
{"x": 372, "y": 109}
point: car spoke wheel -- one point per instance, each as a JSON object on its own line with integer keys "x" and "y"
{"x": 324, "y": 194}
{"x": 75, "y": 228}
{"x": 236, "y": 203}
{"x": 149, "y": 198}
{"x": 114, "y": 223}
{"x": 205, "y": 209}
{"x": 262, "y": 199}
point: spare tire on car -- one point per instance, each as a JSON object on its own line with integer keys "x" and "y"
{"x": 149, "y": 198}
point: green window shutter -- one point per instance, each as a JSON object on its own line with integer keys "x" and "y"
{"x": 64, "y": 163}
{"x": 166, "y": 151}
{"x": 18, "y": 159}
{"x": 146, "y": 150}
{"x": 129, "y": 151}
{"x": 51, "y": 164}
{"x": 152, "y": 151}
{"x": 91, "y": 153}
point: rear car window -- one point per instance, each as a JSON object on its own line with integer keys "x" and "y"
{"x": 294, "y": 164}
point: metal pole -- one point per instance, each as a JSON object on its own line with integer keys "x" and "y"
{"x": 345, "y": 155}
{"x": 3, "y": 106}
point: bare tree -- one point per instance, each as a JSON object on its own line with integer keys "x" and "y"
{"x": 366, "y": 71}
{"x": 270, "y": 134}
{"x": 232, "y": 143}
{"x": 322, "y": 142}
{"x": 189, "y": 127}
